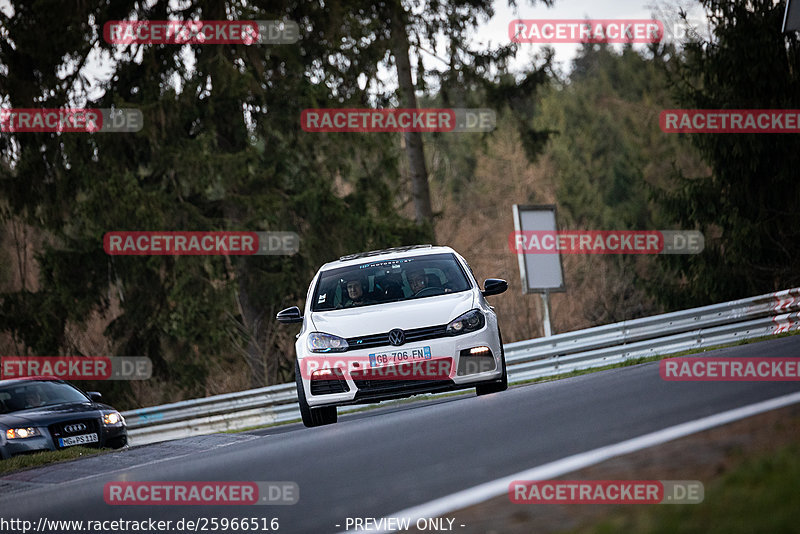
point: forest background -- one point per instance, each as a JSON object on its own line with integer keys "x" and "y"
{"x": 222, "y": 149}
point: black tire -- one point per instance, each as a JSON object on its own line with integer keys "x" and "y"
{"x": 312, "y": 416}
{"x": 117, "y": 443}
{"x": 497, "y": 386}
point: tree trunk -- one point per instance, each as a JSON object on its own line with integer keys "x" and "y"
{"x": 416, "y": 154}
{"x": 252, "y": 322}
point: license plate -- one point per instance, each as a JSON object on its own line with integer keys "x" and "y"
{"x": 379, "y": 359}
{"x": 78, "y": 440}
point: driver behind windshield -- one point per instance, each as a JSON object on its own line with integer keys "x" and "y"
{"x": 33, "y": 398}
{"x": 355, "y": 287}
{"x": 417, "y": 280}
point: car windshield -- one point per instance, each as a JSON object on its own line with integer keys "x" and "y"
{"x": 34, "y": 394}
{"x": 381, "y": 281}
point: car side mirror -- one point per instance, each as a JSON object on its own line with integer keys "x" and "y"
{"x": 94, "y": 395}
{"x": 290, "y": 315}
{"x": 494, "y": 286}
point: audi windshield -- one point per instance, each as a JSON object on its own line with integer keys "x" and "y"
{"x": 383, "y": 281}
{"x": 35, "y": 394}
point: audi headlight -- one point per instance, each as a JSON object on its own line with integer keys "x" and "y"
{"x": 321, "y": 342}
{"x": 113, "y": 419}
{"x": 469, "y": 322}
{"x": 22, "y": 433}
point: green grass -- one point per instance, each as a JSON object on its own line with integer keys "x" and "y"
{"x": 27, "y": 461}
{"x": 761, "y": 494}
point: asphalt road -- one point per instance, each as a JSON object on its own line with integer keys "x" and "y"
{"x": 375, "y": 463}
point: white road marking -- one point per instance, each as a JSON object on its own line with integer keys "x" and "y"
{"x": 495, "y": 488}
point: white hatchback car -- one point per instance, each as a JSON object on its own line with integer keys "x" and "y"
{"x": 393, "y": 323}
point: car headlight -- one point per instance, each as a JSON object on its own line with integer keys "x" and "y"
{"x": 113, "y": 419}
{"x": 321, "y": 342}
{"x": 22, "y": 433}
{"x": 469, "y": 322}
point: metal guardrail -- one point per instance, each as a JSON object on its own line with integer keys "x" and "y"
{"x": 667, "y": 333}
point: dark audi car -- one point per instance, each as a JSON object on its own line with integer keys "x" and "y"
{"x": 41, "y": 414}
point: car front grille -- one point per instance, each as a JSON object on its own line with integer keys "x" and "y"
{"x": 413, "y": 335}
{"x": 378, "y": 388}
{"x": 391, "y": 385}
{"x": 64, "y": 429}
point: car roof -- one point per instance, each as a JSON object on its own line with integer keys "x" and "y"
{"x": 386, "y": 254}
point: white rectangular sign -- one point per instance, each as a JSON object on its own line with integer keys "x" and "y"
{"x": 540, "y": 273}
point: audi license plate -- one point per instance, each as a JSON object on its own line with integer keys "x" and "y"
{"x": 399, "y": 356}
{"x": 78, "y": 440}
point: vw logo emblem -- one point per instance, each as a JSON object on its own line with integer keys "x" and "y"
{"x": 397, "y": 337}
{"x": 71, "y": 429}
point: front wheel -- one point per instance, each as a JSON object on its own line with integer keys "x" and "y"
{"x": 502, "y": 385}
{"x": 312, "y": 416}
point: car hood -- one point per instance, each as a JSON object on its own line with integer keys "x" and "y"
{"x": 47, "y": 415}
{"x": 379, "y": 318}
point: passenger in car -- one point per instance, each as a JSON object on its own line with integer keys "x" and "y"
{"x": 356, "y": 292}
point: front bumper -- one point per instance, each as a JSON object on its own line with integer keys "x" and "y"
{"x": 13, "y": 447}
{"x": 466, "y": 371}
{"x": 107, "y": 437}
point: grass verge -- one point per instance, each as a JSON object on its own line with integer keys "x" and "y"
{"x": 28, "y": 461}
{"x": 759, "y": 495}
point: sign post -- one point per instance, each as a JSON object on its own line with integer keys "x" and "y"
{"x": 540, "y": 273}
